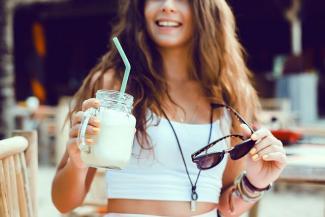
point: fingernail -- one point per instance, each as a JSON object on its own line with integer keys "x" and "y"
{"x": 95, "y": 129}
{"x": 265, "y": 156}
{"x": 254, "y": 136}
{"x": 89, "y": 141}
{"x": 255, "y": 157}
{"x": 253, "y": 151}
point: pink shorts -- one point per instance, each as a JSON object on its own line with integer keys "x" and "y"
{"x": 212, "y": 213}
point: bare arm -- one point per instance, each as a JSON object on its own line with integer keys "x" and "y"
{"x": 263, "y": 165}
{"x": 233, "y": 169}
{"x": 70, "y": 185}
{"x": 73, "y": 179}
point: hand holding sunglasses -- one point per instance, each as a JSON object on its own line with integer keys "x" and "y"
{"x": 267, "y": 160}
{"x": 268, "y": 156}
{"x": 210, "y": 160}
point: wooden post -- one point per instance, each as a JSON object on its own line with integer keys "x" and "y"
{"x": 4, "y": 207}
{"x": 31, "y": 163}
{"x": 7, "y": 94}
{"x": 292, "y": 15}
{"x": 22, "y": 196}
{"x": 8, "y": 186}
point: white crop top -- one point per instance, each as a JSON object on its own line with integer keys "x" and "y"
{"x": 159, "y": 173}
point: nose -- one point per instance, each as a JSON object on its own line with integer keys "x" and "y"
{"x": 168, "y": 6}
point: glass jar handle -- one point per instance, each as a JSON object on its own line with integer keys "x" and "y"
{"x": 82, "y": 132}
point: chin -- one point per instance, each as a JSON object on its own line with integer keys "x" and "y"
{"x": 170, "y": 43}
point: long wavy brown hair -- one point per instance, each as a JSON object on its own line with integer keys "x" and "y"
{"x": 218, "y": 62}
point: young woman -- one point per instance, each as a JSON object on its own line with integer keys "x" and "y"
{"x": 186, "y": 61}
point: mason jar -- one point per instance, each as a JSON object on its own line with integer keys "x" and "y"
{"x": 113, "y": 144}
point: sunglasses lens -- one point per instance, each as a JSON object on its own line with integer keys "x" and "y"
{"x": 242, "y": 149}
{"x": 208, "y": 161}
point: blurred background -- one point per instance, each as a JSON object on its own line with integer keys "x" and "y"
{"x": 47, "y": 47}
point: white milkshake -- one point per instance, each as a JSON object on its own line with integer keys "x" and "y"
{"x": 113, "y": 146}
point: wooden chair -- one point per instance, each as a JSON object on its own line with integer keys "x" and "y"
{"x": 18, "y": 172}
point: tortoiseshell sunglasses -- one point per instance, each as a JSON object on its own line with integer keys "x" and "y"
{"x": 210, "y": 160}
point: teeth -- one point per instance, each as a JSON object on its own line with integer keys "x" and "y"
{"x": 168, "y": 23}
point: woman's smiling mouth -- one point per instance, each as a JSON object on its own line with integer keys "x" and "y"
{"x": 168, "y": 23}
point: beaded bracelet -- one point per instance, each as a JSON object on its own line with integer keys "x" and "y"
{"x": 245, "y": 195}
{"x": 246, "y": 191}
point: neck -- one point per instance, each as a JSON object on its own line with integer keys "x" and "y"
{"x": 176, "y": 64}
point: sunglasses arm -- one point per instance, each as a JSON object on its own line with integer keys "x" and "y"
{"x": 240, "y": 118}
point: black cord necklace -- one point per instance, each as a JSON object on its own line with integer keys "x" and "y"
{"x": 194, "y": 195}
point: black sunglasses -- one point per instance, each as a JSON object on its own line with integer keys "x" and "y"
{"x": 207, "y": 161}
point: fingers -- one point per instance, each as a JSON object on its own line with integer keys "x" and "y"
{"x": 93, "y": 124}
{"x": 90, "y": 103}
{"x": 276, "y": 156}
{"x": 263, "y": 143}
{"x": 90, "y": 131}
{"x": 77, "y": 118}
{"x": 269, "y": 150}
{"x": 267, "y": 147}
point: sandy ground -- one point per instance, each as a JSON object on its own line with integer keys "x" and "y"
{"x": 282, "y": 201}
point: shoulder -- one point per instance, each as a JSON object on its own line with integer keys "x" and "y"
{"x": 108, "y": 79}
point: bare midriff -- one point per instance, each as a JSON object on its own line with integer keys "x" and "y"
{"x": 157, "y": 207}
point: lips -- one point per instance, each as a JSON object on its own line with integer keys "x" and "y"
{"x": 168, "y": 23}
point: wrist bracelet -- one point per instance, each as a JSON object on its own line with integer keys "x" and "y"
{"x": 247, "y": 196}
{"x": 241, "y": 191}
{"x": 253, "y": 188}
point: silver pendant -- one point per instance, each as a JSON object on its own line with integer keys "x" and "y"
{"x": 194, "y": 198}
{"x": 193, "y": 205}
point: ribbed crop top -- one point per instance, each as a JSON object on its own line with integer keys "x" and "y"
{"x": 159, "y": 173}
